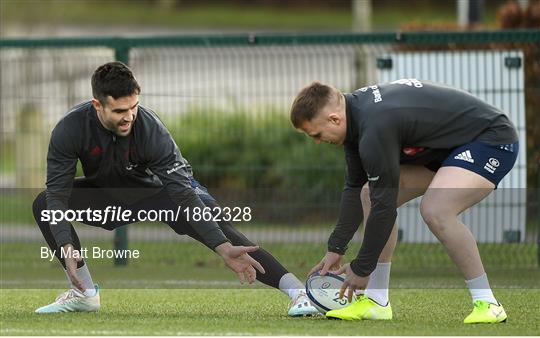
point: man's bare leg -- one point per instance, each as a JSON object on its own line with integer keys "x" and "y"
{"x": 452, "y": 191}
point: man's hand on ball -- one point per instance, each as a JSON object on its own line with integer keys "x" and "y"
{"x": 352, "y": 282}
{"x": 330, "y": 261}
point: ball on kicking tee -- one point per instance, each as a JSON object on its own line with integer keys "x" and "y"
{"x": 323, "y": 291}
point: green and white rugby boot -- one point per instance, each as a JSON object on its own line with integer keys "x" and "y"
{"x": 72, "y": 301}
{"x": 301, "y": 306}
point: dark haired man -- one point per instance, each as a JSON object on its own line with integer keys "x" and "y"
{"x": 402, "y": 140}
{"x": 130, "y": 160}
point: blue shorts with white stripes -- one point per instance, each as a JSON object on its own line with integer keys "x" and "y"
{"x": 490, "y": 161}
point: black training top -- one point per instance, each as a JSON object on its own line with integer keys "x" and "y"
{"x": 130, "y": 168}
{"x": 381, "y": 121}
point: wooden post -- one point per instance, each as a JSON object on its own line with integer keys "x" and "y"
{"x": 363, "y": 59}
{"x": 30, "y": 148}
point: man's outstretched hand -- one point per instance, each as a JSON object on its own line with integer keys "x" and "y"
{"x": 238, "y": 260}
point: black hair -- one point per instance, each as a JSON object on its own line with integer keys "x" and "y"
{"x": 113, "y": 79}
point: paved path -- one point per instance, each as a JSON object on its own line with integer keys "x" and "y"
{"x": 162, "y": 233}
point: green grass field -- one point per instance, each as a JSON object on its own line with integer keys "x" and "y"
{"x": 183, "y": 289}
{"x": 256, "y": 312}
{"x": 170, "y": 265}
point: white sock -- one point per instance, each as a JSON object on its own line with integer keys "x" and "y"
{"x": 290, "y": 285}
{"x": 480, "y": 289}
{"x": 86, "y": 279}
{"x": 379, "y": 281}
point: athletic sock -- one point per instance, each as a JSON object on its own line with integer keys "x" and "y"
{"x": 480, "y": 290}
{"x": 379, "y": 280}
{"x": 86, "y": 280}
{"x": 290, "y": 285}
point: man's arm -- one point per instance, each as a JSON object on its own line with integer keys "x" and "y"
{"x": 350, "y": 210}
{"x": 167, "y": 163}
{"x": 169, "y": 166}
{"x": 61, "y": 168}
{"x": 380, "y": 155}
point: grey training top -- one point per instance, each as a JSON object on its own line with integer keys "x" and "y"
{"x": 381, "y": 121}
{"x": 129, "y": 168}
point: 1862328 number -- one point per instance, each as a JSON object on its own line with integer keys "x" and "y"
{"x": 218, "y": 214}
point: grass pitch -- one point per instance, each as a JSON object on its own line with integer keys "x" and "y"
{"x": 256, "y": 312}
{"x": 183, "y": 289}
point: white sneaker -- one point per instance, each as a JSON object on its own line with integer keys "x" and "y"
{"x": 301, "y": 306}
{"x": 72, "y": 301}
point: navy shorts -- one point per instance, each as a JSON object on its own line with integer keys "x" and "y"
{"x": 490, "y": 161}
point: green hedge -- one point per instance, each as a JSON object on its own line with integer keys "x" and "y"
{"x": 244, "y": 150}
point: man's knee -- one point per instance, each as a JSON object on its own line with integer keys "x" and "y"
{"x": 434, "y": 214}
{"x": 39, "y": 204}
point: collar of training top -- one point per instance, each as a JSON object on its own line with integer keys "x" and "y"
{"x": 352, "y": 129}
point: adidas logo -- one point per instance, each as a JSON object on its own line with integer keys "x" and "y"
{"x": 465, "y": 156}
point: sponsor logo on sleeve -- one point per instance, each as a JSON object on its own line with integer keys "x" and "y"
{"x": 372, "y": 178}
{"x": 377, "y": 97}
{"x": 130, "y": 166}
{"x": 177, "y": 166}
{"x": 409, "y": 82}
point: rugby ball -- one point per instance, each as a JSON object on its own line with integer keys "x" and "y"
{"x": 323, "y": 292}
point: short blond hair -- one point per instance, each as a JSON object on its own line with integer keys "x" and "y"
{"x": 310, "y": 100}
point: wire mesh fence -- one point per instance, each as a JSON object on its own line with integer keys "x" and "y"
{"x": 225, "y": 101}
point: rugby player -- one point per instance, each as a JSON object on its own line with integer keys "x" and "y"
{"x": 402, "y": 140}
{"x": 130, "y": 160}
